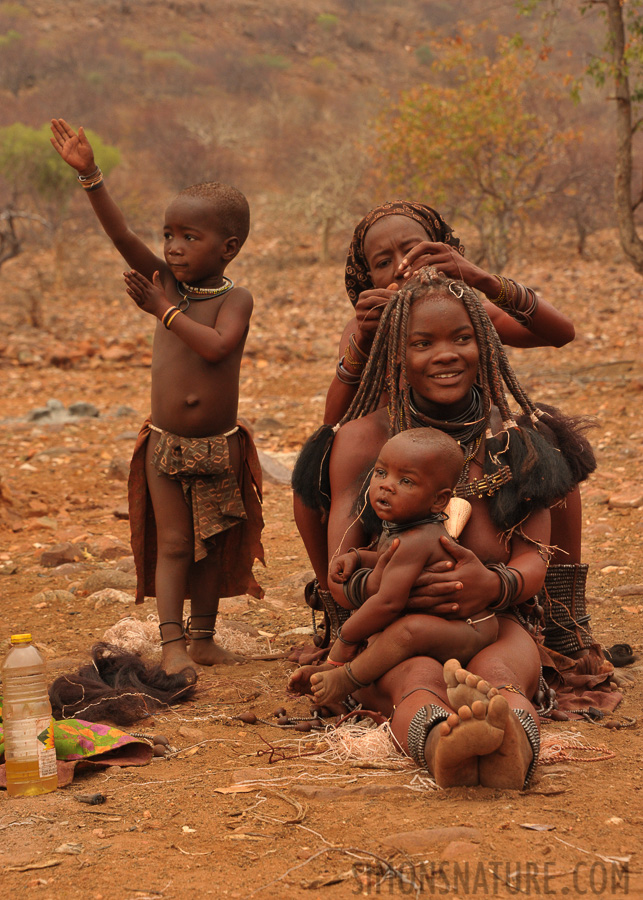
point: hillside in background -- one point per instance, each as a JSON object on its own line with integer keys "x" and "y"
{"x": 279, "y": 99}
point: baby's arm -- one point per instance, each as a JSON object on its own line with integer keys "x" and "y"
{"x": 398, "y": 578}
{"x": 342, "y": 567}
{"x": 211, "y": 343}
{"x": 76, "y": 150}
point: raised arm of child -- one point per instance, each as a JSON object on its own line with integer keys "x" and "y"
{"x": 211, "y": 343}
{"x": 77, "y": 152}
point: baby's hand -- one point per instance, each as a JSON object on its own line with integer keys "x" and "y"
{"x": 147, "y": 296}
{"x": 74, "y": 148}
{"x": 342, "y": 567}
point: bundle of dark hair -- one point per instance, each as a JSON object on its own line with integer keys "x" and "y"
{"x": 118, "y": 687}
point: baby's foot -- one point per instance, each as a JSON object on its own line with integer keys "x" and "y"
{"x": 300, "y": 680}
{"x": 463, "y": 687}
{"x": 206, "y": 652}
{"x": 455, "y": 746}
{"x": 331, "y": 685}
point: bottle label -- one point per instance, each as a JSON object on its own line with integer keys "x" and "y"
{"x": 32, "y": 739}
{"x": 46, "y": 748}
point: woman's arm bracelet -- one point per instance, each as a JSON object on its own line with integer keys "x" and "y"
{"x": 508, "y": 587}
{"x": 516, "y": 300}
{"x": 355, "y": 588}
{"x": 345, "y": 376}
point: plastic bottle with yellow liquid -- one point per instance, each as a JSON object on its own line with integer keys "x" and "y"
{"x": 29, "y": 752}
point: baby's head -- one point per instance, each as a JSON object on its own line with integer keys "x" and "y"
{"x": 214, "y": 215}
{"x": 414, "y": 475}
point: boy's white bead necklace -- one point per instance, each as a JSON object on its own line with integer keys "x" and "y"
{"x": 204, "y": 293}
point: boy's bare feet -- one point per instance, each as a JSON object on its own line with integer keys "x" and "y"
{"x": 300, "y": 681}
{"x": 331, "y": 685}
{"x": 175, "y": 657}
{"x": 205, "y": 652}
{"x": 463, "y": 687}
{"x": 455, "y": 747}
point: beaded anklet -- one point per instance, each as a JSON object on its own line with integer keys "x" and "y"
{"x": 533, "y": 736}
{"x": 418, "y": 733}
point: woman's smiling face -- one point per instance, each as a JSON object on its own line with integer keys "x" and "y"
{"x": 441, "y": 356}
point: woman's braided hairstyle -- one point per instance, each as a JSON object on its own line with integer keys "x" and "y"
{"x": 386, "y": 366}
{"x": 547, "y": 458}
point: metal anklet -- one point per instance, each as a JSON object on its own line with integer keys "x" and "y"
{"x": 181, "y": 637}
{"x": 193, "y": 632}
{"x": 421, "y": 723}
{"x": 358, "y": 684}
{"x": 533, "y": 736}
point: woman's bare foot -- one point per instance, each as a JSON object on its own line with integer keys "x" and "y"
{"x": 332, "y": 685}
{"x": 300, "y": 680}
{"x": 463, "y": 687}
{"x": 205, "y": 652}
{"x": 456, "y": 746}
{"x": 175, "y": 657}
{"x": 507, "y": 767}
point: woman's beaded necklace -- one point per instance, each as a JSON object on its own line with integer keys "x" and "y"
{"x": 202, "y": 293}
{"x": 467, "y": 429}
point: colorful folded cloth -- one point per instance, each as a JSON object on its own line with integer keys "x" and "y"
{"x": 89, "y": 743}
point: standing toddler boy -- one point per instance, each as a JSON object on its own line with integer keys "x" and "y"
{"x": 193, "y": 461}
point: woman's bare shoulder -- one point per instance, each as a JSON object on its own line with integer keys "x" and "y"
{"x": 358, "y": 443}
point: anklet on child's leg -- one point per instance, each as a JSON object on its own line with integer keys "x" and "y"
{"x": 199, "y": 634}
{"x": 358, "y": 684}
{"x": 179, "y": 637}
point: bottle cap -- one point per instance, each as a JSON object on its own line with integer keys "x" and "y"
{"x": 20, "y": 638}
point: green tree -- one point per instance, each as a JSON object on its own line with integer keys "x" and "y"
{"x": 36, "y": 185}
{"x": 472, "y": 141}
{"x": 619, "y": 69}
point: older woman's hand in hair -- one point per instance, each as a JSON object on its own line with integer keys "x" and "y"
{"x": 447, "y": 259}
{"x": 368, "y": 311}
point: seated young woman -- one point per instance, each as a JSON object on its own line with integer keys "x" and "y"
{"x": 438, "y": 359}
{"x": 389, "y": 244}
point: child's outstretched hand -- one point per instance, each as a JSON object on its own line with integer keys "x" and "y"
{"x": 74, "y": 148}
{"x": 149, "y": 297}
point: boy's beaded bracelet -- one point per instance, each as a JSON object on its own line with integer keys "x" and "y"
{"x": 94, "y": 185}
{"x": 169, "y": 316}
{"x": 91, "y": 176}
{"x": 93, "y": 181}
